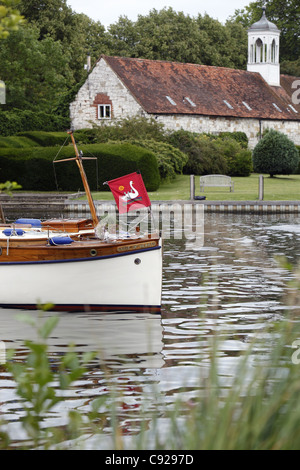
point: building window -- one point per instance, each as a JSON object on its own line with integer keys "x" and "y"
{"x": 273, "y": 52}
{"x": 259, "y": 50}
{"x": 104, "y": 111}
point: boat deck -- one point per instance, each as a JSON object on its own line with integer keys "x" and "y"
{"x": 14, "y": 250}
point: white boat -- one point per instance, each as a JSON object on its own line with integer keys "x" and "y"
{"x": 78, "y": 271}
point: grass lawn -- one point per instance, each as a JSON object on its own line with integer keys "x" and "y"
{"x": 280, "y": 188}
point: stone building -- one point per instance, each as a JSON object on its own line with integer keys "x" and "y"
{"x": 193, "y": 97}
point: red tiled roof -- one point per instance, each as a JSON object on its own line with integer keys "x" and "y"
{"x": 176, "y": 88}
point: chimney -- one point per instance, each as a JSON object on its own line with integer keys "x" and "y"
{"x": 87, "y": 66}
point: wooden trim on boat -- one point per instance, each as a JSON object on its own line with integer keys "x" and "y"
{"x": 24, "y": 252}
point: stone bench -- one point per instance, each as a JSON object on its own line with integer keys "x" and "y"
{"x": 216, "y": 180}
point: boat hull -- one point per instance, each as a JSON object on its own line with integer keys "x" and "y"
{"x": 129, "y": 281}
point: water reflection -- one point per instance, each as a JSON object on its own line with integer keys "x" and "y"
{"x": 133, "y": 340}
{"x": 230, "y": 287}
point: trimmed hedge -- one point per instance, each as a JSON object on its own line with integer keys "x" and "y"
{"x": 16, "y": 142}
{"x": 17, "y": 120}
{"x": 34, "y": 169}
{"x": 44, "y": 139}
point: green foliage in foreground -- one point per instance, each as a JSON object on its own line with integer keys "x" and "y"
{"x": 9, "y": 186}
{"x": 34, "y": 383}
{"x": 260, "y": 410}
{"x": 10, "y": 18}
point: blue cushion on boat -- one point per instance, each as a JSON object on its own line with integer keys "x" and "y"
{"x": 32, "y": 222}
{"x": 9, "y": 231}
{"x": 61, "y": 240}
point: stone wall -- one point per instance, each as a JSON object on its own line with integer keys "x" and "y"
{"x": 103, "y": 82}
{"x": 253, "y": 128}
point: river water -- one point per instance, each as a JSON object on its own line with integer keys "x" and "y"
{"x": 226, "y": 284}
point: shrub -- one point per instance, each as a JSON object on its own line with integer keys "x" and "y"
{"x": 203, "y": 155}
{"x": 210, "y": 154}
{"x": 33, "y": 167}
{"x": 127, "y": 158}
{"x": 275, "y": 154}
{"x": 130, "y": 128}
{"x": 171, "y": 160}
{"x": 238, "y": 159}
{"x": 240, "y": 137}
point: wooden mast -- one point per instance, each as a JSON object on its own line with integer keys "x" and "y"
{"x": 78, "y": 160}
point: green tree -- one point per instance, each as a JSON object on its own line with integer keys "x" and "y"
{"x": 291, "y": 67}
{"x": 223, "y": 46}
{"x": 285, "y": 14}
{"x": 122, "y": 38}
{"x": 275, "y": 154}
{"x": 42, "y": 64}
{"x": 10, "y": 17}
{"x": 168, "y": 35}
{"x": 53, "y": 17}
{"x": 35, "y": 71}
{"x": 174, "y": 36}
{"x": 77, "y": 33}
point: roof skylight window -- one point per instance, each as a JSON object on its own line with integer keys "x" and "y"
{"x": 293, "y": 109}
{"x": 171, "y": 101}
{"x": 190, "y": 101}
{"x": 228, "y": 104}
{"x": 247, "y": 106}
{"x": 277, "y": 107}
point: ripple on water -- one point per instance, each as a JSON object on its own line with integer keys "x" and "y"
{"x": 230, "y": 288}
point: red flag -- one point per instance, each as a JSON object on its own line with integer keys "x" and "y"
{"x": 129, "y": 192}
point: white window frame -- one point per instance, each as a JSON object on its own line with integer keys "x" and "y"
{"x": 104, "y": 111}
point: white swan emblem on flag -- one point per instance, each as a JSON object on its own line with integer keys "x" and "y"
{"x": 133, "y": 194}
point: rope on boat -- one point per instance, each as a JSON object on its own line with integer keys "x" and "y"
{"x": 84, "y": 158}
{"x": 55, "y": 176}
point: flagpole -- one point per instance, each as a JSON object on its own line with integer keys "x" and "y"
{"x": 84, "y": 181}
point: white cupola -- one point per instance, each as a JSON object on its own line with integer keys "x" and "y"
{"x": 263, "y": 50}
